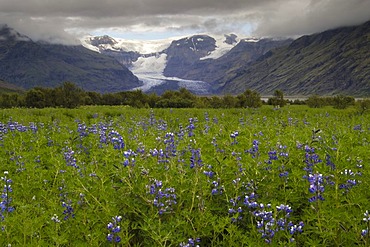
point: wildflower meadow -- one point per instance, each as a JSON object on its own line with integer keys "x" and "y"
{"x": 120, "y": 176}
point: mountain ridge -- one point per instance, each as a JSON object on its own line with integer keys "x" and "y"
{"x": 326, "y": 63}
{"x": 28, "y": 64}
{"x": 335, "y": 61}
{"x": 332, "y": 62}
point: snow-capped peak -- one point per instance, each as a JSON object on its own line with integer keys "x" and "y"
{"x": 223, "y": 45}
{"x": 117, "y": 44}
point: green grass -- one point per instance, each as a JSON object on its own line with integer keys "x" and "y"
{"x": 100, "y": 181}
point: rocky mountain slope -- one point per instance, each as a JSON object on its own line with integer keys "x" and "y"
{"x": 246, "y": 51}
{"x": 6, "y": 87}
{"x": 27, "y": 64}
{"x": 195, "y": 58}
{"x": 332, "y": 62}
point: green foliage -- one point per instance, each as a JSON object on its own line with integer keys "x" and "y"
{"x": 363, "y": 105}
{"x": 249, "y": 99}
{"x": 342, "y": 102}
{"x": 8, "y": 100}
{"x": 35, "y": 98}
{"x": 68, "y": 95}
{"x": 315, "y": 101}
{"x": 229, "y": 101}
{"x": 278, "y": 99}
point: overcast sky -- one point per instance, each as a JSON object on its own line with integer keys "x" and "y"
{"x": 64, "y": 20}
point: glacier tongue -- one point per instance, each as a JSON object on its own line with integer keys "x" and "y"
{"x": 153, "y": 82}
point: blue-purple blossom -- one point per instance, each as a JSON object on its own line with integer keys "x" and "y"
{"x": 329, "y": 162}
{"x": 114, "y": 229}
{"x": 351, "y": 180}
{"x": 217, "y": 189}
{"x": 69, "y": 157}
{"x": 366, "y": 219}
{"x": 163, "y": 199}
{"x": 191, "y": 127}
{"x": 129, "y": 158}
{"x": 269, "y": 223}
{"x": 357, "y": 127}
{"x": 171, "y": 147}
{"x": 233, "y": 136}
{"x": 68, "y": 210}
{"x": 116, "y": 139}
{"x": 254, "y": 150}
{"x": 316, "y": 186}
{"x": 191, "y": 243}
{"x": 311, "y": 159}
{"x": 209, "y": 173}
{"x": 82, "y": 129}
{"x": 6, "y": 199}
{"x": 195, "y": 158}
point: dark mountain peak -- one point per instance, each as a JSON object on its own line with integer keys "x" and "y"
{"x": 230, "y": 39}
{"x": 102, "y": 40}
{"x": 9, "y": 34}
{"x": 196, "y": 43}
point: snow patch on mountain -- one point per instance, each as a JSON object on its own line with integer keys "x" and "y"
{"x": 153, "y": 64}
{"x": 86, "y": 42}
{"x": 223, "y": 46}
{"x": 142, "y": 46}
{"x": 118, "y": 44}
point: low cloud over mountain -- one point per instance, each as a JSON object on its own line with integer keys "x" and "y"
{"x": 61, "y": 21}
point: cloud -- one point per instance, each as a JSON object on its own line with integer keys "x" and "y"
{"x": 59, "y": 21}
{"x": 313, "y": 16}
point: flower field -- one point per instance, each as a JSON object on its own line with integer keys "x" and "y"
{"x": 119, "y": 176}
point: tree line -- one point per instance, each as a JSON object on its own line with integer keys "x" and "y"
{"x": 68, "y": 95}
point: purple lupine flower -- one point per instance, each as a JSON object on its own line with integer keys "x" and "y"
{"x": 191, "y": 127}
{"x": 195, "y": 158}
{"x": 233, "y": 136}
{"x": 311, "y": 159}
{"x": 366, "y": 219}
{"x": 209, "y": 173}
{"x": 129, "y": 158}
{"x": 357, "y": 127}
{"x": 268, "y": 223}
{"x": 191, "y": 243}
{"x": 114, "y": 229}
{"x": 329, "y": 162}
{"x": 254, "y": 150}
{"x": 116, "y": 139}
{"x": 169, "y": 141}
{"x": 217, "y": 189}
{"x": 6, "y": 199}
{"x": 163, "y": 199}
{"x": 70, "y": 158}
{"x": 68, "y": 211}
{"x": 316, "y": 186}
{"x": 82, "y": 129}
